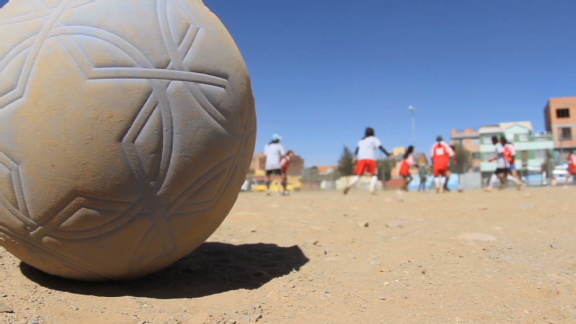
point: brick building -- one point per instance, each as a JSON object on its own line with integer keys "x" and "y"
{"x": 470, "y": 140}
{"x": 560, "y": 118}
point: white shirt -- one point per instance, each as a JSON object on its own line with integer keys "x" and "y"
{"x": 410, "y": 160}
{"x": 501, "y": 162}
{"x": 368, "y": 147}
{"x": 274, "y": 152}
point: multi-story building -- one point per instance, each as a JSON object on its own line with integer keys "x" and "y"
{"x": 470, "y": 140}
{"x": 560, "y": 117}
{"x": 532, "y": 149}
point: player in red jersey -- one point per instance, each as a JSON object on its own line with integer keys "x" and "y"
{"x": 285, "y": 163}
{"x": 572, "y": 166}
{"x": 407, "y": 163}
{"x": 510, "y": 155}
{"x": 449, "y": 172}
{"x": 441, "y": 154}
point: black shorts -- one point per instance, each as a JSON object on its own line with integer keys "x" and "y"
{"x": 406, "y": 176}
{"x": 274, "y": 172}
{"x": 502, "y": 170}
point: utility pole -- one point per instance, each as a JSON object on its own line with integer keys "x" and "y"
{"x": 413, "y": 113}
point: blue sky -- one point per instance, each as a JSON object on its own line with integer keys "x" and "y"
{"x": 323, "y": 70}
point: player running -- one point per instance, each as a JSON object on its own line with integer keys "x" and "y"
{"x": 407, "y": 163}
{"x": 510, "y": 154}
{"x": 274, "y": 152}
{"x": 285, "y": 163}
{"x": 572, "y": 166}
{"x": 441, "y": 154}
{"x": 365, "y": 154}
{"x": 502, "y": 167}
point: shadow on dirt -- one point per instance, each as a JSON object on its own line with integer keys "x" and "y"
{"x": 211, "y": 269}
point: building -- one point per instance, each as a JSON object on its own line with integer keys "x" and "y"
{"x": 560, "y": 118}
{"x": 399, "y": 151}
{"x": 258, "y": 163}
{"x": 324, "y": 170}
{"x": 532, "y": 149}
{"x": 422, "y": 159}
{"x": 296, "y": 166}
{"x": 470, "y": 140}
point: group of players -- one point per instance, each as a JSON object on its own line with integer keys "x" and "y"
{"x": 442, "y": 154}
{"x": 368, "y": 146}
{"x": 506, "y": 169}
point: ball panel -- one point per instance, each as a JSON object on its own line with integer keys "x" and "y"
{"x": 124, "y": 110}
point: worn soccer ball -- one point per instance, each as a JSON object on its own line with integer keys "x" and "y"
{"x": 126, "y": 130}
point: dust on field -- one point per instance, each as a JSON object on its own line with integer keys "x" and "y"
{"x": 322, "y": 257}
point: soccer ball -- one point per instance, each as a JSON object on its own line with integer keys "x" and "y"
{"x": 126, "y": 131}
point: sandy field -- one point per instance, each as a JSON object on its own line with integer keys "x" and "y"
{"x": 322, "y": 257}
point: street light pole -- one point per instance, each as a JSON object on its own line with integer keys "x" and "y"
{"x": 413, "y": 110}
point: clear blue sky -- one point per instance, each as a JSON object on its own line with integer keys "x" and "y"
{"x": 323, "y": 70}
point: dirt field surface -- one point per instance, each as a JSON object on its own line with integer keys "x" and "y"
{"x": 322, "y": 257}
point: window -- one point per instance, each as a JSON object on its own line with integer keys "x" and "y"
{"x": 541, "y": 154}
{"x": 475, "y": 141}
{"x": 523, "y": 137}
{"x": 565, "y": 133}
{"x": 563, "y": 113}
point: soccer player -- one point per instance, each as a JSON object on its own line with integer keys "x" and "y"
{"x": 285, "y": 163}
{"x": 366, "y": 156}
{"x": 502, "y": 167}
{"x": 274, "y": 152}
{"x": 407, "y": 163}
{"x": 572, "y": 166}
{"x": 449, "y": 172}
{"x": 510, "y": 154}
{"x": 441, "y": 154}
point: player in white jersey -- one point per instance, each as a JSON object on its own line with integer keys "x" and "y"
{"x": 365, "y": 153}
{"x": 274, "y": 152}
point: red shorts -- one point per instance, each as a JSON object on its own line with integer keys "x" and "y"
{"x": 440, "y": 171}
{"x": 405, "y": 169}
{"x": 367, "y": 166}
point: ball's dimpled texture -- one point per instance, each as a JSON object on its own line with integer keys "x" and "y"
{"x": 126, "y": 130}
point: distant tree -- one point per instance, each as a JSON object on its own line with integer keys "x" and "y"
{"x": 385, "y": 167}
{"x": 548, "y": 164}
{"x": 311, "y": 176}
{"x": 462, "y": 160}
{"x": 346, "y": 164}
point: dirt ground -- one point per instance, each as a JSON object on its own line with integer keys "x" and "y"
{"x": 322, "y": 257}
